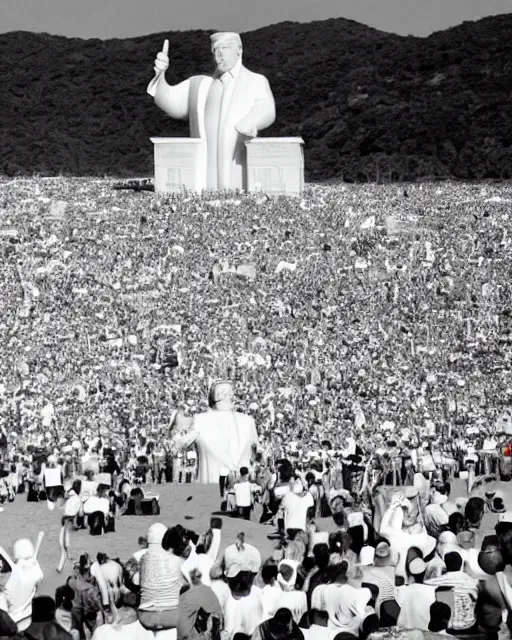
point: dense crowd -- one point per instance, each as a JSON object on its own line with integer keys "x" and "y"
{"x": 356, "y": 303}
{"x": 365, "y": 328}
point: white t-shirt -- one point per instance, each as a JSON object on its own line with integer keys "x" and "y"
{"x": 52, "y": 476}
{"x": 414, "y": 601}
{"x": 295, "y": 509}
{"x": 72, "y": 505}
{"x": 243, "y": 494}
{"x": 94, "y": 504}
{"x": 133, "y": 631}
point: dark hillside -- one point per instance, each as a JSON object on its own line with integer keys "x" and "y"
{"x": 370, "y": 105}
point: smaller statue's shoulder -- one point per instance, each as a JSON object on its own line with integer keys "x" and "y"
{"x": 253, "y": 75}
{"x": 200, "y": 77}
{"x": 244, "y": 416}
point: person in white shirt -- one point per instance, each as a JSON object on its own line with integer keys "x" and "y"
{"x": 134, "y": 563}
{"x": 53, "y": 482}
{"x": 97, "y": 509}
{"x": 346, "y": 606}
{"x": 297, "y": 509}
{"x": 415, "y": 599}
{"x": 112, "y": 573}
{"x": 243, "y": 494}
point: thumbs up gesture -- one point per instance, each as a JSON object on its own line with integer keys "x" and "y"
{"x": 162, "y": 59}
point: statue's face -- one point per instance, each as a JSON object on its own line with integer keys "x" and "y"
{"x": 226, "y": 55}
{"x": 411, "y": 513}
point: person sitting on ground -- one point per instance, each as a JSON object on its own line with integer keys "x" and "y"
{"x": 132, "y": 567}
{"x": 161, "y": 580}
{"x": 378, "y": 570}
{"x": 199, "y": 610}
{"x": 319, "y": 574}
{"x": 440, "y": 614}
{"x": 465, "y": 593}
{"x": 43, "y": 612}
{"x": 63, "y": 618}
{"x": 91, "y": 594}
{"x": 271, "y": 590}
{"x": 112, "y": 572}
{"x": 415, "y": 599}
{"x": 122, "y": 624}
{"x": 97, "y": 510}
{"x": 345, "y": 605}
{"x": 281, "y": 626}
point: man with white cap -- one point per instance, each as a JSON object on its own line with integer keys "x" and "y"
{"x": 161, "y": 580}
{"x": 225, "y": 110}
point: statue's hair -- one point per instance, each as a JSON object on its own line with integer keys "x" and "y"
{"x": 227, "y": 37}
{"x": 218, "y": 391}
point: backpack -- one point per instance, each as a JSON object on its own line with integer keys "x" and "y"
{"x": 87, "y": 594}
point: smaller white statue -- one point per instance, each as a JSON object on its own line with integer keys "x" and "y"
{"x": 225, "y": 439}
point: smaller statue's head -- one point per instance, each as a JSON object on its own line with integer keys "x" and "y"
{"x": 23, "y": 551}
{"x": 221, "y": 392}
{"x": 226, "y": 50}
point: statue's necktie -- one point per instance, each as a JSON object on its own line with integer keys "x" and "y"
{"x": 225, "y": 79}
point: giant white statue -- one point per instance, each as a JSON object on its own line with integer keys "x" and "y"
{"x": 225, "y": 109}
{"x": 225, "y": 439}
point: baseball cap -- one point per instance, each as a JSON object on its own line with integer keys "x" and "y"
{"x": 417, "y": 566}
{"x": 366, "y": 556}
{"x": 156, "y": 533}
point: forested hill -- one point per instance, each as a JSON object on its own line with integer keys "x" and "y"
{"x": 369, "y": 105}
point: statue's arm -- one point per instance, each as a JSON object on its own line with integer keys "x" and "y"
{"x": 173, "y": 99}
{"x": 185, "y": 436}
{"x": 262, "y": 113}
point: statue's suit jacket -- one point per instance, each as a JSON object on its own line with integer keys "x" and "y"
{"x": 251, "y": 101}
{"x": 224, "y": 440}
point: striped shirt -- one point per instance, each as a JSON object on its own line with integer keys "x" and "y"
{"x": 377, "y": 577}
{"x": 160, "y": 579}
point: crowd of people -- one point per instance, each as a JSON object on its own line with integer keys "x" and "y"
{"x": 365, "y": 301}
{"x": 364, "y": 328}
{"x": 401, "y": 553}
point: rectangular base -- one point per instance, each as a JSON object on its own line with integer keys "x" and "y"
{"x": 275, "y": 166}
{"x": 179, "y": 164}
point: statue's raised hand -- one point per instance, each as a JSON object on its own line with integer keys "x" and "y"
{"x": 162, "y": 59}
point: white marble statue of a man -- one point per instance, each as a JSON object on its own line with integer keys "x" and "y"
{"x": 225, "y": 438}
{"x": 225, "y": 109}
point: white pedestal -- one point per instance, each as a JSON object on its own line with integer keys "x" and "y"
{"x": 275, "y": 166}
{"x": 180, "y": 164}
